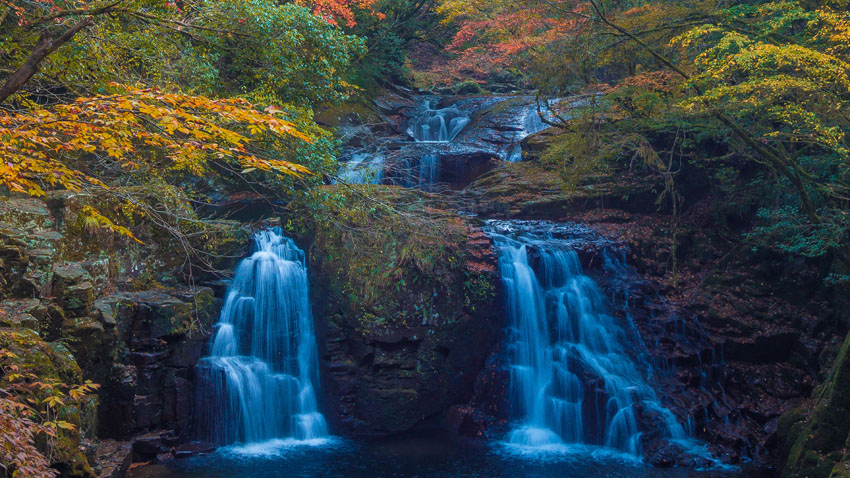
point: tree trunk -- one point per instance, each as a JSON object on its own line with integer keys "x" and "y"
{"x": 44, "y": 47}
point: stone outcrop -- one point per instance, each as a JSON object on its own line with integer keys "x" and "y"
{"x": 61, "y": 304}
{"x": 403, "y": 344}
{"x": 149, "y": 378}
{"x": 815, "y": 438}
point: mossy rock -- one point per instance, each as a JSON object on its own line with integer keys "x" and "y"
{"x": 400, "y": 292}
{"x": 820, "y": 443}
{"x": 156, "y": 314}
{"x": 468, "y": 88}
{"x": 396, "y": 276}
{"x": 52, "y": 361}
{"x": 46, "y": 360}
{"x": 25, "y": 213}
{"x": 841, "y": 470}
{"x": 91, "y": 344}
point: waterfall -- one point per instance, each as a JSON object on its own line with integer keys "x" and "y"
{"x": 257, "y": 383}
{"x": 438, "y": 126}
{"x": 363, "y": 168}
{"x": 429, "y": 172}
{"x": 529, "y": 123}
{"x": 572, "y": 378}
{"x": 533, "y": 123}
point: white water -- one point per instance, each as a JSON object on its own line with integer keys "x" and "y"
{"x": 257, "y": 383}
{"x": 363, "y": 168}
{"x": 533, "y": 123}
{"x": 438, "y": 126}
{"x": 572, "y": 380}
{"x": 429, "y": 172}
{"x": 529, "y": 123}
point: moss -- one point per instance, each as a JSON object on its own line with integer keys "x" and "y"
{"x": 387, "y": 268}
{"x": 43, "y": 359}
{"x": 841, "y": 470}
{"x": 468, "y": 88}
{"x": 789, "y": 427}
{"x": 819, "y": 444}
{"x": 52, "y": 362}
{"x": 358, "y": 106}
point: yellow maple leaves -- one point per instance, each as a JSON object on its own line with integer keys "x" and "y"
{"x": 134, "y": 126}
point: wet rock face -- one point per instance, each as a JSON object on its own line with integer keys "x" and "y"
{"x": 813, "y": 441}
{"x": 149, "y": 383}
{"x": 725, "y": 355}
{"x": 59, "y": 294}
{"x": 408, "y": 367}
{"x": 480, "y": 132}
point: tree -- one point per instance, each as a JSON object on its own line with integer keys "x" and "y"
{"x": 768, "y": 79}
{"x": 391, "y": 28}
{"x": 339, "y": 11}
{"x": 66, "y": 48}
{"x": 495, "y": 34}
{"x": 136, "y": 129}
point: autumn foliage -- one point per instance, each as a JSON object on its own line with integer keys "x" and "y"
{"x": 339, "y": 12}
{"x": 496, "y": 34}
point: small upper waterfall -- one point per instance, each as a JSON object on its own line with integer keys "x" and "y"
{"x": 533, "y": 123}
{"x": 439, "y": 126}
{"x": 572, "y": 377}
{"x": 257, "y": 383}
{"x": 363, "y": 168}
{"x": 429, "y": 172}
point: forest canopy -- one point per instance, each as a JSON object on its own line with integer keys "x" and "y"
{"x": 755, "y": 94}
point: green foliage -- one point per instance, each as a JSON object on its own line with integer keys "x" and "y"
{"x": 390, "y": 28}
{"x": 752, "y": 95}
{"x": 785, "y": 77}
{"x": 785, "y": 229}
{"x": 284, "y": 53}
{"x": 257, "y": 48}
{"x": 391, "y": 255}
{"x": 161, "y": 148}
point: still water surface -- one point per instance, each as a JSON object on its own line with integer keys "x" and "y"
{"x": 422, "y": 455}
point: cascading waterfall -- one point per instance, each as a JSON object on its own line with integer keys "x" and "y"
{"x": 438, "y": 126}
{"x": 533, "y": 123}
{"x": 429, "y": 172}
{"x": 363, "y": 168}
{"x": 572, "y": 380}
{"x": 530, "y": 123}
{"x": 257, "y": 383}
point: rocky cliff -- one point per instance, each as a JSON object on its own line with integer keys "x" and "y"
{"x": 79, "y": 304}
{"x": 407, "y": 307}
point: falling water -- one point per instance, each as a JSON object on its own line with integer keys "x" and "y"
{"x": 530, "y": 122}
{"x": 438, "y": 126}
{"x": 257, "y": 383}
{"x": 533, "y": 123}
{"x": 363, "y": 168}
{"x": 429, "y": 172}
{"x": 572, "y": 379}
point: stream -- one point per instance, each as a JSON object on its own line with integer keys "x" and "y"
{"x": 581, "y": 395}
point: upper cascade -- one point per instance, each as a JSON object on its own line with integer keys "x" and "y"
{"x": 438, "y": 125}
{"x": 573, "y": 379}
{"x": 257, "y": 383}
{"x": 363, "y": 168}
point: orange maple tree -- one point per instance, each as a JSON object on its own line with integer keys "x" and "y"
{"x": 492, "y": 34}
{"x": 339, "y": 12}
